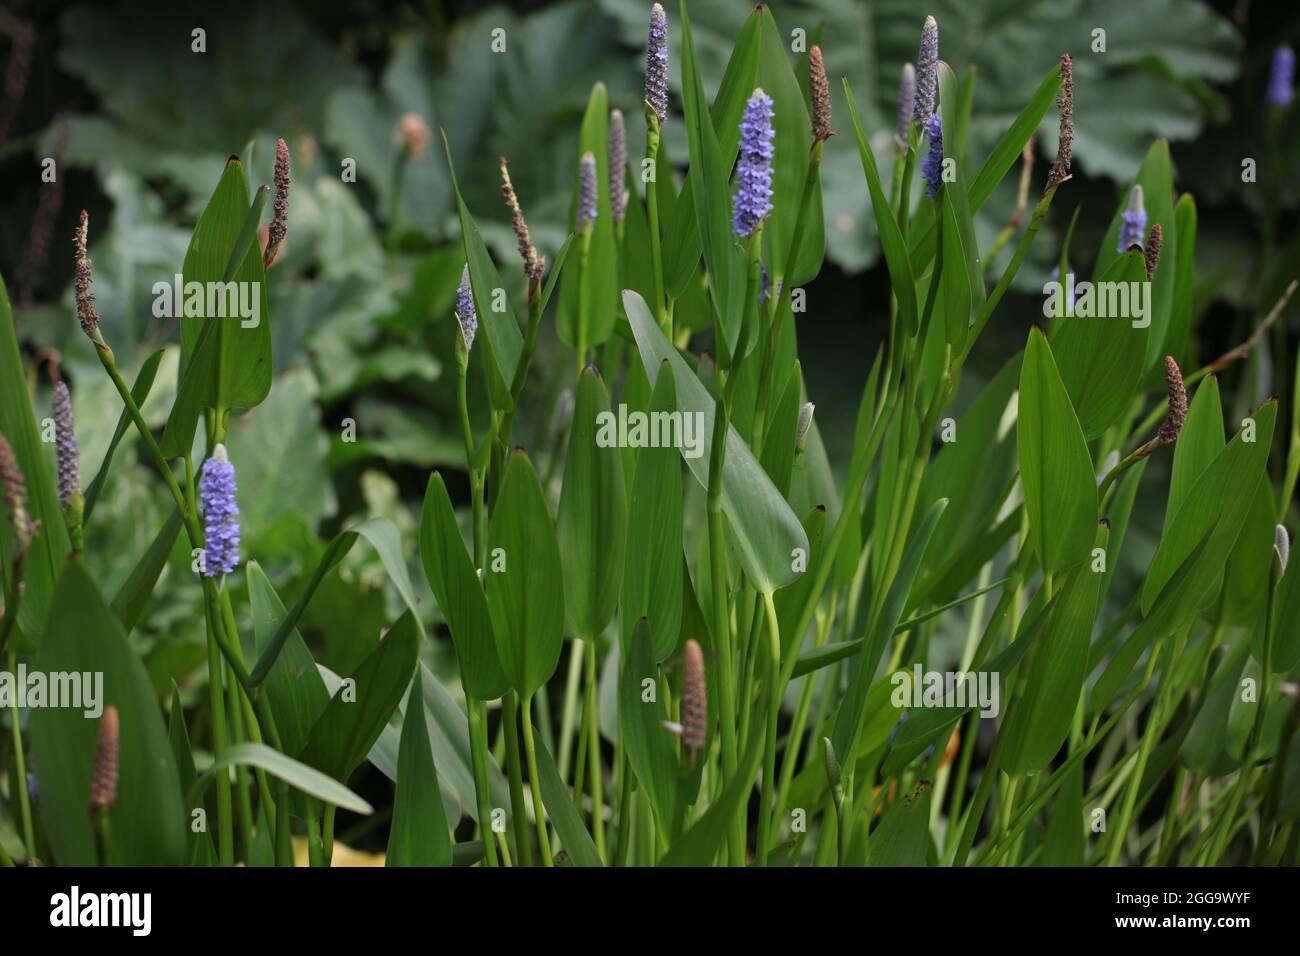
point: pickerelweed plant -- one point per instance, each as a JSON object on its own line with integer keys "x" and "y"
{"x": 680, "y": 639}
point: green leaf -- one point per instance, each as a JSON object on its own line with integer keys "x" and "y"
{"x": 459, "y": 594}
{"x": 146, "y": 824}
{"x": 766, "y": 529}
{"x": 133, "y": 596}
{"x": 501, "y": 341}
{"x": 201, "y": 851}
{"x": 1199, "y": 443}
{"x": 1216, "y": 506}
{"x": 650, "y": 748}
{"x": 523, "y": 580}
{"x": 681, "y": 240}
{"x": 652, "y": 578}
{"x": 597, "y": 285}
{"x": 384, "y": 538}
{"x": 354, "y": 718}
{"x": 139, "y": 391}
{"x": 848, "y": 723}
{"x": 792, "y": 143}
{"x": 1055, "y": 468}
{"x": 592, "y": 522}
{"x": 903, "y": 837}
{"x": 901, "y": 276}
{"x": 300, "y": 776}
{"x": 226, "y": 360}
{"x": 1157, "y": 182}
{"x": 294, "y": 687}
{"x": 955, "y": 283}
{"x": 44, "y": 561}
{"x": 708, "y": 178}
{"x": 1053, "y": 677}
{"x": 1286, "y": 619}
{"x": 563, "y": 814}
{"x": 419, "y": 834}
{"x": 700, "y": 844}
{"x": 1102, "y": 358}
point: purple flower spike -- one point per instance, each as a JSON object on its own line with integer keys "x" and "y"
{"x": 753, "y": 198}
{"x": 465, "y": 311}
{"x": 220, "y": 515}
{"x": 927, "y": 72}
{"x": 656, "y": 63}
{"x": 587, "y": 196}
{"x": 1134, "y": 227}
{"x": 65, "y": 444}
{"x": 1281, "y": 78}
{"x": 932, "y": 165}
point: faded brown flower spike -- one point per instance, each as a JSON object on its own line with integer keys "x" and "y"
{"x": 82, "y": 278}
{"x": 15, "y": 493}
{"x": 1060, "y": 170}
{"x": 103, "y": 779}
{"x": 695, "y": 702}
{"x": 820, "y": 91}
{"x": 1152, "y": 251}
{"x": 533, "y": 263}
{"x": 280, "y": 218}
{"x": 1177, "y": 414}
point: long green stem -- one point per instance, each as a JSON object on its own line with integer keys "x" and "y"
{"x": 775, "y": 691}
{"x": 514, "y": 773}
{"x": 534, "y": 782}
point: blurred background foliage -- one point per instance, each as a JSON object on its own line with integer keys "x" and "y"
{"x": 361, "y": 298}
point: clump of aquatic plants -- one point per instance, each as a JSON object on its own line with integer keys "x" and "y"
{"x": 680, "y": 639}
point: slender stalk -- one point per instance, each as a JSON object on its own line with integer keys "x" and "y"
{"x": 652, "y": 214}
{"x": 593, "y": 753}
{"x": 534, "y": 782}
{"x": 20, "y": 767}
{"x": 514, "y": 772}
{"x": 775, "y": 690}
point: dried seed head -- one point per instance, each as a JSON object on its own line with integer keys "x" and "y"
{"x": 22, "y": 37}
{"x": 220, "y": 514}
{"x": 588, "y": 202}
{"x": 1152, "y": 251}
{"x": 66, "y": 444}
{"x": 656, "y": 63}
{"x": 465, "y": 311}
{"x": 533, "y": 263}
{"x": 103, "y": 779}
{"x": 820, "y": 90}
{"x": 15, "y": 494}
{"x": 82, "y": 278}
{"x": 617, "y": 159}
{"x": 415, "y": 134}
{"x": 753, "y": 198}
{"x": 906, "y": 102}
{"x": 695, "y": 701}
{"x": 1060, "y": 170}
{"x": 927, "y": 72}
{"x": 1177, "y": 415}
{"x": 280, "y": 218}
{"x": 1134, "y": 225}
